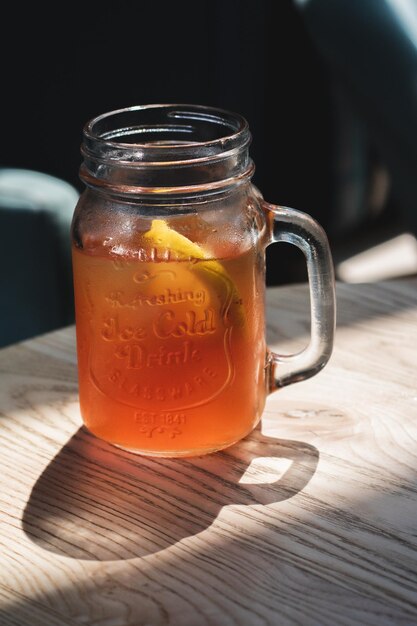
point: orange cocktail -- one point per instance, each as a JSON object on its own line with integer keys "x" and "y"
{"x": 171, "y": 351}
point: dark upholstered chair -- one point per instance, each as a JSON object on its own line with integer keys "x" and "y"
{"x": 35, "y": 263}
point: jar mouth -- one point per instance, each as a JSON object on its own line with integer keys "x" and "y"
{"x": 166, "y": 149}
{"x": 158, "y": 133}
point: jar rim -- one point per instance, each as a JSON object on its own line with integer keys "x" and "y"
{"x": 214, "y": 131}
{"x": 189, "y": 149}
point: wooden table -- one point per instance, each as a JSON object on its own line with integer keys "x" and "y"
{"x": 312, "y": 520}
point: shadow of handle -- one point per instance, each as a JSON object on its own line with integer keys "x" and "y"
{"x": 289, "y": 464}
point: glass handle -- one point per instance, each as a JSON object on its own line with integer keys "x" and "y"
{"x": 300, "y": 229}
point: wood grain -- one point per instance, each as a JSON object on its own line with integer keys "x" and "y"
{"x": 311, "y": 520}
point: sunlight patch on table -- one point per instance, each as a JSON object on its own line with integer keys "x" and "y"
{"x": 391, "y": 259}
{"x": 265, "y": 471}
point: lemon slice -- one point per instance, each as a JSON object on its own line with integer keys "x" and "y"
{"x": 210, "y": 271}
{"x": 161, "y": 235}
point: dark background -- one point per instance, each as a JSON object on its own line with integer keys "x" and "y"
{"x": 312, "y": 78}
{"x": 251, "y": 57}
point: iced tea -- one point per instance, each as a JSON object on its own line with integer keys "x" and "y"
{"x": 171, "y": 353}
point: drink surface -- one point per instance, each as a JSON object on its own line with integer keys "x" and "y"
{"x": 171, "y": 353}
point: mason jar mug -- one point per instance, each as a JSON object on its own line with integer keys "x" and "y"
{"x": 168, "y": 249}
